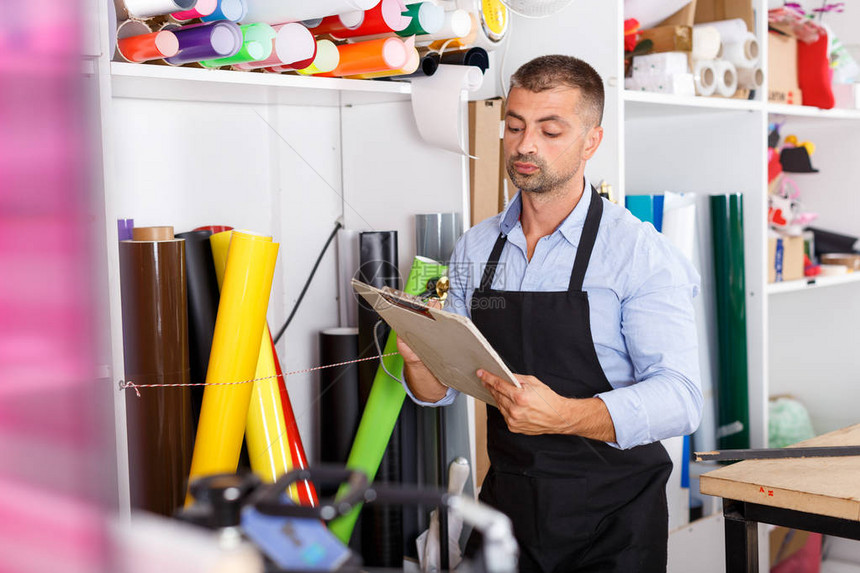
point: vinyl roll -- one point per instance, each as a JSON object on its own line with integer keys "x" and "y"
{"x": 380, "y": 415}
{"x": 727, "y": 219}
{"x": 257, "y": 44}
{"x": 155, "y": 348}
{"x": 426, "y": 18}
{"x": 220, "y": 244}
{"x": 201, "y": 9}
{"x": 830, "y": 242}
{"x": 727, "y": 78}
{"x": 202, "y": 288}
{"x": 135, "y": 42}
{"x": 750, "y": 78}
{"x": 214, "y": 228}
{"x": 281, "y": 11}
{"x": 339, "y": 405}
{"x": 436, "y": 234}
{"x": 744, "y": 53}
{"x": 705, "y": 76}
{"x": 326, "y": 58}
{"x": 410, "y": 67}
{"x": 472, "y": 57}
{"x": 706, "y": 43}
{"x": 372, "y": 56}
{"x": 124, "y": 229}
{"x": 347, "y": 269}
{"x": 339, "y": 23}
{"x": 206, "y": 41}
{"x": 232, "y": 10}
{"x": 384, "y": 18}
{"x": 161, "y": 233}
{"x": 235, "y": 350}
{"x": 143, "y": 9}
{"x": 456, "y": 24}
{"x": 292, "y": 43}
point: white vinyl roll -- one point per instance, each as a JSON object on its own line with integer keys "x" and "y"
{"x": 727, "y": 78}
{"x": 457, "y": 24}
{"x": 706, "y": 43}
{"x": 744, "y": 53}
{"x": 750, "y": 78}
{"x": 705, "y": 75}
{"x": 149, "y": 8}
{"x": 733, "y": 30}
{"x": 283, "y": 11}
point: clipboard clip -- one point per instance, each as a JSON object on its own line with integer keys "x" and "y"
{"x": 437, "y": 288}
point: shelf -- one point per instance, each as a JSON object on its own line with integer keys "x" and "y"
{"x": 812, "y": 282}
{"x": 149, "y": 81}
{"x": 648, "y": 104}
{"x": 806, "y": 111}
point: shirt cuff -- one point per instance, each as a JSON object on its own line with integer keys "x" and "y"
{"x": 628, "y": 416}
{"x": 447, "y": 399}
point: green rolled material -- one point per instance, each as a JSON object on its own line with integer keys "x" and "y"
{"x": 257, "y": 44}
{"x": 427, "y": 18}
{"x": 788, "y": 422}
{"x": 732, "y": 385}
{"x": 384, "y": 403}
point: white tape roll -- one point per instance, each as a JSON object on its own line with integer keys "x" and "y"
{"x": 705, "y": 76}
{"x": 730, "y": 30}
{"x": 706, "y": 43}
{"x": 750, "y": 78}
{"x": 727, "y": 78}
{"x": 744, "y": 53}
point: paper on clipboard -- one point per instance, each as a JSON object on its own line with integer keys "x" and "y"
{"x": 450, "y": 345}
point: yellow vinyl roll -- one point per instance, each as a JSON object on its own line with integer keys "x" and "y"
{"x": 266, "y": 431}
{"x": 235, "y": 350}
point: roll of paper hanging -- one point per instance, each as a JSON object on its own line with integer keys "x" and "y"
{"x": 384, "y": 18}
{"x": 257, "y": 44}
{"x": 205, "y": 41}
{"x": 143, "y": 9}
{"x": 408, "y": 68}
{"x": 155, "y": 348}
{"x": 427, "y": 18}
{"x": 201, "y": 9}
{"x": 743, "y": 53}
{"x": 705, "y": 76}
{"x": 750, "y": 78}
{"x": 235, "y": 350}
{"x": 727, "y": 78}
{"x": 293, "y": 44}
{"x": 476, "y": 57}
{"x": 136, "y": 43}
{"x": 326, "y": 58}
{"x": 232, "y": 10}
{"x": 202, "y": 309}
{"x": 339, "y": 404}
{"x": 372, "y": 56}
{"x": 457, "y": 24}
{"x": 727, "y": 220}
{"x": 733, "y": 30}
{"x": 706, "y": 43}
{"x": 282, "y": 11}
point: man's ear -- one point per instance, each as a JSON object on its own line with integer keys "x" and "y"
{"x": 592, "y": 142}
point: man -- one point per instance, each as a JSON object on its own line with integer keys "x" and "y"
{"x": 593, "y": 311}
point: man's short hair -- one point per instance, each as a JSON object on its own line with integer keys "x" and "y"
{"x": 547, "y": 72}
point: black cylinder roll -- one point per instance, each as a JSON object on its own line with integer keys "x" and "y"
{"x": 472, "y": 57}
{"x": 339, "y": 407}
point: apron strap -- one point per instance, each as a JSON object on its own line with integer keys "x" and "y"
{"x": 493, "y": 262}
{"x": 586, "y": 241}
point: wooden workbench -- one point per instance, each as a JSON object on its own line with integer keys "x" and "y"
{"x": 811, "y": 494}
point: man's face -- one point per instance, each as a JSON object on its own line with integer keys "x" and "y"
{"x": 546, "y": 142}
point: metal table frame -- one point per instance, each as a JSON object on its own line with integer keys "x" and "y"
{"x": 742, "y": 519}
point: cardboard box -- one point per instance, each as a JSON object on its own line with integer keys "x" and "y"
{"x": 701, "y": 11}
{"x": 484, "y": 142}
{"x": 785, "y": 259}
{"x": 782, "y": 69}
{"x": 669, "y": 38}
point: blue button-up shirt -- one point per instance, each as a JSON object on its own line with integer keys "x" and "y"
{"x": 640, "y": 290}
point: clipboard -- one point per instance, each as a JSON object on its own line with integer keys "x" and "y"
{"x": 450, "y": 345}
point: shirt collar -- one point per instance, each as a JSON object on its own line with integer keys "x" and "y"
{"x": 570, "y": 228}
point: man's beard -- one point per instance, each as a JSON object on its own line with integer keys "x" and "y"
{"x": 540, "y": 182}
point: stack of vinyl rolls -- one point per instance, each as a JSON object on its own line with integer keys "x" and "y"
{"x": 163, "y": 281}
{"x": 335, "y": 38}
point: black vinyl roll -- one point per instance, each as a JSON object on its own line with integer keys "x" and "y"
{"x": 339, "y": 407}
{"x": 472, "y": 57}
{"x": 381, "y": 526}
{"x": 830, "y": 242}
{"x": 203, "y": 299}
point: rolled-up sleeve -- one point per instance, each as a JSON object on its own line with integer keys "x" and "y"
{"x": 659, "y": 328}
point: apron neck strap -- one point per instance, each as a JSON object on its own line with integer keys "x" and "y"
{"x": 493, "y": 262}
{"x": 586, "y": 241}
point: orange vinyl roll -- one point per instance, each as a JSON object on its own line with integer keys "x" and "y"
{"x": 379, "y": 55}
{"x": 411, "y": 65}
{"x": 147, "y": 47}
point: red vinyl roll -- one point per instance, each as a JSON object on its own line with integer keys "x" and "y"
{"x": 384, "y": 18}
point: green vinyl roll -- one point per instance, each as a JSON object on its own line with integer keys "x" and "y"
{"x": 732, "y": 386}
{"x": 384, "y": 403}
{"x": 257, "y": 44}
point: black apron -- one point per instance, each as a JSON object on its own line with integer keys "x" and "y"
{"x": 576, "y": 504}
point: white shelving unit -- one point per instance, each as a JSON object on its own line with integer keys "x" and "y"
{"x": 812, "y": 283}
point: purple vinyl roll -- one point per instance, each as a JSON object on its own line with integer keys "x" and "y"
{"x": 124, "y": 228}
{"x": 207, "y": 41}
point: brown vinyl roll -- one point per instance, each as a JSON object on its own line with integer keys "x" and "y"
{"x": 155, "y": 345}
{"x": 164, "y": 233}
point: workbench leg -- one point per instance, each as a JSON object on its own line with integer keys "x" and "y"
{"x": 741, "y": 539}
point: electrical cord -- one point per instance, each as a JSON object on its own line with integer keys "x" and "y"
{"x": 337, "y": 227}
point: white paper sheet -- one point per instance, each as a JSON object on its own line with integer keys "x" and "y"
{"x": 438, "y": 108}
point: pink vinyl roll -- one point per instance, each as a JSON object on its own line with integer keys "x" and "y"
{"x": 326, "y": 58}
{"x": 201, "y": 8}
{"x": 293, "y": 43}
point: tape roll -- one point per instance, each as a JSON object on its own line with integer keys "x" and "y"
{"x": 164, "y": 233}
{"x": 750, "y": 78}
{"x": 744, "y": 53}
{"x": 727, "y": 78}
{"x": 706, "y": 43}
{"x": 705, "y": 77}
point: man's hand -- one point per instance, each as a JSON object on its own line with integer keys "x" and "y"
{"x": 536, "y": 409}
